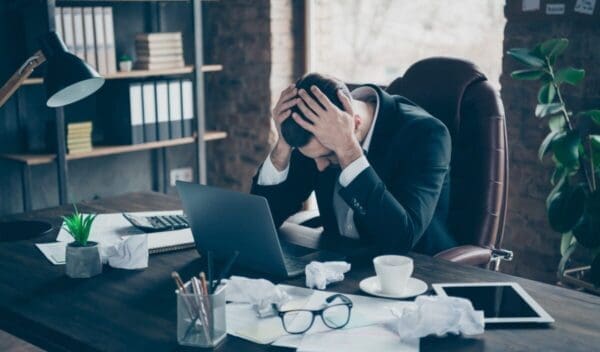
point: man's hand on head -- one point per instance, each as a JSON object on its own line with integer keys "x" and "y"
{"x": 280, "y": 155}
{"x": 334, "y": 128}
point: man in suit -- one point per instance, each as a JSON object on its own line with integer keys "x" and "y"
{"x": 379, "y": 165}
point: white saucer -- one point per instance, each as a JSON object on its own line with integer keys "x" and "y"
{"x": 414, "y": 287}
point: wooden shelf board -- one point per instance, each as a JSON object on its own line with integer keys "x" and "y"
{"x": 144, "y": 73}
{"x": 38, "y": 159}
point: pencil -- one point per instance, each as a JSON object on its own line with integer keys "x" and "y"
{"x": 203, "y": 282}
{"x": 210, "y": 270}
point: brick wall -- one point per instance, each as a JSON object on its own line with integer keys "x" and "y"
{"x": 238, "y": 35}
{"x": 536, "y": 246}
{"x": 255, "y": 42}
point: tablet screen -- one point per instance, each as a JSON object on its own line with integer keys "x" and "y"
{"x": 495, "y": 301}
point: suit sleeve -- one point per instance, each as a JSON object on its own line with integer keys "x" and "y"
{"x": 286, "y": 198}
{"x": 396, "y": 217}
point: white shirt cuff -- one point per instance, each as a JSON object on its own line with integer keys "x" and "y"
{"x": 269, "y": 175}
{"x": 353, "y": 170}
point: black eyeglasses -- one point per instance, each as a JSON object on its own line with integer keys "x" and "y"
{"x": 334, "y": 316}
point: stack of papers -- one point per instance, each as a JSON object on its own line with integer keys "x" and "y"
{"x": 368, "y": 328}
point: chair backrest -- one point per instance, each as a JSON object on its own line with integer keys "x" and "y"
{"x": 456, "y": 92}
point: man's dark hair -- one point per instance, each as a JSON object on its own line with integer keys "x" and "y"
{"x": 294, "y": 134}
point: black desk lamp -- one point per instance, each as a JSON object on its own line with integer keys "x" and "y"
{"x": 67, "y": 79}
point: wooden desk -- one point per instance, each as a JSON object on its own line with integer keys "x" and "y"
{"x": 123, "y": 310}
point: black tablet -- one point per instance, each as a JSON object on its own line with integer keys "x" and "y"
{"x": 501, "y": 302}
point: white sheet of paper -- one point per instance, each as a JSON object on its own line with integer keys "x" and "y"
{"x": 369, "y": 338}
{"x": 109, "y": 229}
{"x": 531, "y": 5}
{"x": 243, "y": 322}
{"x": 55, "y": 252}
{"x": 585, "y": 6}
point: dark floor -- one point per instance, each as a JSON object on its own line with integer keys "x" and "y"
{"x": 9, "y": 343}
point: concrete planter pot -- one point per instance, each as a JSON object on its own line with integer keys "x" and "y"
{"x": 83, "y": 262}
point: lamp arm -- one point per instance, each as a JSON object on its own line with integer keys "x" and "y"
{"x": 17, "y": 79}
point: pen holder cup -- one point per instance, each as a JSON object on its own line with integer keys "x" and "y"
{"x": 201, "y": 320}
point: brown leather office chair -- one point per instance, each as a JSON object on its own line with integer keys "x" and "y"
{"x": 458, "y": 93}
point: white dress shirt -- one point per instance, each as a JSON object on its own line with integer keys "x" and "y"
{"x": 270, "y": 176}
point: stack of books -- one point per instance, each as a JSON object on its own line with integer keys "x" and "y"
{"x": 159, "y": 51}
{"x": 89, "y": 33}
{"x": 79, "y": 137}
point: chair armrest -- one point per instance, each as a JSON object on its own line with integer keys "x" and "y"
{"x": 309, "y": 218}
{"x": 470, "y": 255}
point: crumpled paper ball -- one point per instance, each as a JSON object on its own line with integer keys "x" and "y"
{"x": 130, "y": 253}
{"x": 260, "y": 293}
{"x": 438, "y": 315}
{"x": 320, "y": 275}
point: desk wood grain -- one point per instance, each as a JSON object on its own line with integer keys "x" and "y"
{"x": 123, "y": 310}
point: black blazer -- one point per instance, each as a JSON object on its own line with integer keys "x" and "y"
{"x": 400, "y": 202}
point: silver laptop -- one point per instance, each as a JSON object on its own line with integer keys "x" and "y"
{"x": 224, "y": 221}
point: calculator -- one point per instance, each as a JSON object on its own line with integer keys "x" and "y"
{"x": 157, "y": 223}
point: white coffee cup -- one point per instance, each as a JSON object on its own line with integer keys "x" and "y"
{"x": 393, "y": 272}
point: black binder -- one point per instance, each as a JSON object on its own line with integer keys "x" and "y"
{"x": 121, "y": 114}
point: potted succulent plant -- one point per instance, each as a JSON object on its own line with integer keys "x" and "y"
{"x": 125, "y": 63}
{"x": 83, "y": 256}
{"x": 573, "y": 140}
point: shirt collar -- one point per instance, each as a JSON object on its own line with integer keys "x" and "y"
{"x": 366, "y": 93}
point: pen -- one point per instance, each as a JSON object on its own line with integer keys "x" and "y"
{"x": 203, "y": 309}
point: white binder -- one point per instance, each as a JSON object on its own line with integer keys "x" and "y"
{"x": 109, "y": 37}
{"x": 90, "y": 42}
{"x": 78, "y": 34}
{"x": 100, "y": 40}
{"x": 67, "y": 20}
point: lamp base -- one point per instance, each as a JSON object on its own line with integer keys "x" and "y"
{"x": 23, "y": 230}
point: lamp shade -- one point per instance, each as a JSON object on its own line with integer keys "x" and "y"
{"x": 68, "y": 79}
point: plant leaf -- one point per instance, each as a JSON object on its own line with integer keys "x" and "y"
{"x": 543, "y": 110}
{"x": 547, "y": 93}
{"x": 587, "y": 230}
{"x": 570, "y": 75}
{"x": 559, "y": 175}
{"x": 565, "y": 208}
{"x": 546, "y": 144}
{"x": 554, "y": 47}
{"x": 528, "y": 75}
{"x": 565, "y": 242}
{"x": 566, "y": 149}
{"x": 593, "y": 114}
{"x": 526, "y": 56}
{"x": 557, "y": 123}
{"x": 595, "y": 146}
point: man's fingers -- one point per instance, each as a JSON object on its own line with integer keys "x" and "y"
{"x": 345, "y": 102}
{"x": 288, "y": 93}
{"x": 322, "y": 98}
{"x": 318, "y": 109}
{"x": 283, "y": 115}
{"x": 307, "y": 111}
{"x": 304, "y": 124}
{"x": 286, "y": 105}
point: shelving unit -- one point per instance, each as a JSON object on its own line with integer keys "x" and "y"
{"x": 144, "y": 73}
{"x": 151, "y": 14}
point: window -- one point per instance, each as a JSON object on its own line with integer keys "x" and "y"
{"x": 375, "y": 41}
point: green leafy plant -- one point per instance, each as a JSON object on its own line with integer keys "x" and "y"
{"x": 79, "y": 226}
{"x": 573, "y": 205}
{"x": 125, "y": 58}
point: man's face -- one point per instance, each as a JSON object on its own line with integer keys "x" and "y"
{"x": 322, "y": 156}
